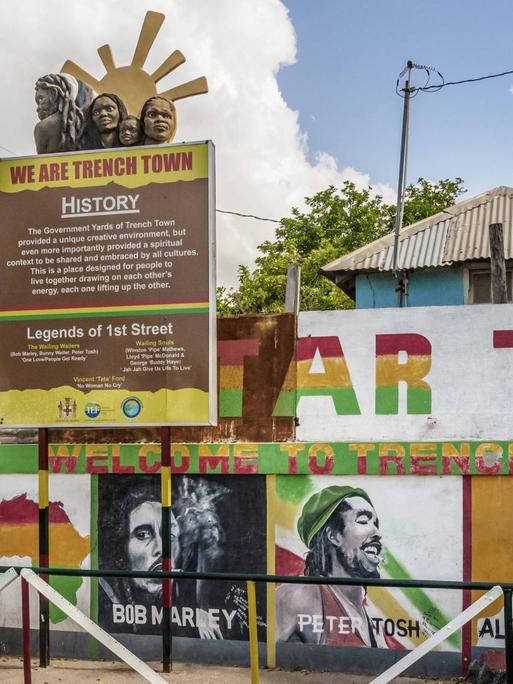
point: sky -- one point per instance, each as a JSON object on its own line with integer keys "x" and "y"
{"x": 301, "y": 92}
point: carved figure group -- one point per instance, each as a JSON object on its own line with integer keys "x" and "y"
{"x": 73, "y": 118}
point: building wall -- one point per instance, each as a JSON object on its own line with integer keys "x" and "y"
{"x": 385, "y": 401}
{"x": 440, "y": 287}
{"x": 432, "y": 527}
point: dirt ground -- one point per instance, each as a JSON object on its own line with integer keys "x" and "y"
{"x": 83, "y": 672}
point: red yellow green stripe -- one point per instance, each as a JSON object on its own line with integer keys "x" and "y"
{"x": 333, "y": 381}
{"x": 105, "y": 311}
{"x": 165, "y": 485}
{"x": 231, "y": 355}
{"x": 390, "y": 371}
{"x": 43, "y": 488}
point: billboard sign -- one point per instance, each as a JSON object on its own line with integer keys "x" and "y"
{"x": 107, "y": 295}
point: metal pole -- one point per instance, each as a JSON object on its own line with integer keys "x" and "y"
{"x": 253, "y": 633}
{"x": 44, "y": 534}
{"x": 508, "y": 632}
{"x": 165, "y": 495}
{"x": 401, "y": 183}
{"x": 25, "y": 617}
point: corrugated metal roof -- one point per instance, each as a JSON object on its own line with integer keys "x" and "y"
{"x": 459, "y": 233}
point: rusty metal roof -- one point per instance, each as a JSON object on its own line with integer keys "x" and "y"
{"x": 456, "y": 234}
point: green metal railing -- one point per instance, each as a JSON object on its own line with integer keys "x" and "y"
{"x": 253, "y": 578}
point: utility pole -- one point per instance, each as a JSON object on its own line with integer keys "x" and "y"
{"x": 401, "y": 185}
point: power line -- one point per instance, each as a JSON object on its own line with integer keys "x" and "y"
{"x": 444, "y": 84}
{"x": 467, "y": 80}
{"x": 258, "y": 218}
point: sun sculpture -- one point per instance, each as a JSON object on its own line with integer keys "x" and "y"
{"x": 131, "y": 84}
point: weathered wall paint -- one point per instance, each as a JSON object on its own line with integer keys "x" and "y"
{"x": 407, "y": 616}
{"x": 492, "y": 560}
{"x": 461, "y": 359}
{"x": 454, "y": 384}
{"x": 254, "y": 356}
{"x": 422, "y": 374}
{"x": 69, "y": 513}
{"x": 250, "y": 514}
{"x": 240, "y": 458}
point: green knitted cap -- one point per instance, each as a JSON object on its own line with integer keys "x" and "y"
{"x": 319, "y": 508}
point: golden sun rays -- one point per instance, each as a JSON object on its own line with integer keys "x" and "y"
{"x": 131, "y": 83}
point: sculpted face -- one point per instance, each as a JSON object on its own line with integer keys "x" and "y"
{"x": 129, "y": 131}
{"x": 159, "y": 121}
{"x": 46, "y": 101}
{"x": 358, "y": 545}
{"x": 105, "y": 114}
{"x": 145, "y": 543}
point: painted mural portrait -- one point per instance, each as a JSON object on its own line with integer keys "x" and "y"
{"x": 212, "y": 517}
{"x": 135, "y": 543}
{"x": 340, "y": 528}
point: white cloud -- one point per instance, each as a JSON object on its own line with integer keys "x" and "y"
{"x": 240, "y": 45}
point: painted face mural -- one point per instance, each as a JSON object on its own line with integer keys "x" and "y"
{"x": 145, "y": 543}
{"x": 215, "y": 526}
{"x": 358, "y": 545}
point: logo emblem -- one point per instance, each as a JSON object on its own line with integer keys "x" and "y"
{"x": 92, "y": 409}
{"x": 67, "y": 408}
{"x": 131, "y": 407}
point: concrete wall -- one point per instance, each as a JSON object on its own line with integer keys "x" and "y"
{"x": 411, "y": 407}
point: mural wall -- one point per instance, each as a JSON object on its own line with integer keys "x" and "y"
{"x": 399, "y": 468}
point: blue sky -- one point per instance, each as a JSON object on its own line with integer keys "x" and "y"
{"x": 301, "y": 92}
{"x": 349, "y": 55}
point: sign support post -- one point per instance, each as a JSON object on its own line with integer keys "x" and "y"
{"x": 165, "y": 482}
{"x": 44, "y": 534}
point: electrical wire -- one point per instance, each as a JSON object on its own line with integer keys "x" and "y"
{"x": 467, "y": 80}
{"x": 258, "y": 218}
{"x": 426, "y": 88}
{"x": 413, "y": 92}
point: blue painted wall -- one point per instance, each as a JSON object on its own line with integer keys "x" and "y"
{"x": 437, "y": 287}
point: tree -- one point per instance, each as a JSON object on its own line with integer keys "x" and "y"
{"x": 336, "y": 222}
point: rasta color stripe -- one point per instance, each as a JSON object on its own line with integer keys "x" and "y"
{"x": 43, "y": 488}
{"x": 102, "y": 312}
{"x": 165, "y": 484}
{"x": 231, "y": 374}
{"x": 418, "y": 597}
{"x": 318, "y": 369}
{"x": 271, "y": 569}
{"x": 390, "y": 371}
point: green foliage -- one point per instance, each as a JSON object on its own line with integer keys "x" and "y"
{"x": 425, "y": 199}
{"x": 336, "y": 222}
